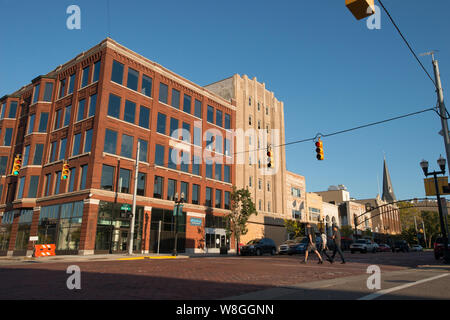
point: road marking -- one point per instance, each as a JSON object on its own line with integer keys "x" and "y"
{"x": 149, "y": 257}
{"x": 404, "y": 286}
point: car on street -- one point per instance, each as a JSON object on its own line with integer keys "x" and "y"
{"x": 294, "y": 246}
{"x": 363, "y": 246}
{"x": 401, "y": 245}
{"x": 383, "y": 247}
{"x": 439, "y": 247}
{"x": 259, "y": 247}
{"x": 416, "y": 248}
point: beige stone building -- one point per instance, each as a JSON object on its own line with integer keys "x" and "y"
{"x": 384, "y": 217}
{"x": 314, "y": 208}
{"x": 260, "y": 124}
{"x": 296, "y": 196}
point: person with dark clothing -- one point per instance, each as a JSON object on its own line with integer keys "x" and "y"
{"x": 337, "y": 244}
{"x": 324, "y": 246}
{"x": 311, "y": 235}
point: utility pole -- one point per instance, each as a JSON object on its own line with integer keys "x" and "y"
{"x": 133, "y": 209}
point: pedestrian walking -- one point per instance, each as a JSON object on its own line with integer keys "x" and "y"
{"x": 324, "y": 246}
{"x": 337, "y": 244}
{"x": 311, "y": 235}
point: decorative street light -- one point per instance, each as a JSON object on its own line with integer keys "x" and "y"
{"x": 424, "y": 166}
{"x": 177, "y": 211}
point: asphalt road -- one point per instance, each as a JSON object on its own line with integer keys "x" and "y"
{"x": 403, "y": 276}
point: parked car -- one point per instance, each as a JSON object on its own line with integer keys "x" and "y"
{"x": 416, "y": 248}
{"x": 383, "y": 247}
{"x": 259, "y": 247}
{"x": 289, "y": 246}
{"x": 439, "y": 247}
{"x": 401, "y": 245}
{"x": 363, "y": 245}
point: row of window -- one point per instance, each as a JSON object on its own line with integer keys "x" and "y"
{"x": 63, "y": 115}
{"x": 129, "y": 114}
{"x": 260, "y": 183}
{"x": 12, "y": 110}
{"x": 87, "y": 78}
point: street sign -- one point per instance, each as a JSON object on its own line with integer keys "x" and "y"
{"x": 34, "y": 238}
{"x": 125, "y": 207}
{"x": 430, "y": 188}
{"x": 196, "y": 222}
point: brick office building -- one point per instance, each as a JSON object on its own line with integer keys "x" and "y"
{"x": 91, "y": 112}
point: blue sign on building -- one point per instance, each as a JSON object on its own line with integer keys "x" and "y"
{"x": 196, "y": 222}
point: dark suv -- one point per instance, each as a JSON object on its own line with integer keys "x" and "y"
{"x": 401, "y": 245}
{"x": 439, "y": 247}
{"x": 259, "y": 247}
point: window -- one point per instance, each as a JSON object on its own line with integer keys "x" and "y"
{"x": 12, "y": 109}
{"x": 198, "y": 108}
{"x": 218, "y": 200}
{"x": 84, "y": 170}
{"x": 227, "y": 173}
{"x": 53, "y": 151}
{"x": 184, "y": 161}
{"x": 259, "y": 184}
{"x": 158, "y": 187}
{"x": 187, "y": 103}
{"x": 161, "y": 124}
{"x": 62, "y": 148}
{"x": 198, "y": 136}
{"x": 295, "y": 192}
{"x": 38, "y": 151}
{"x": 250, "y": 120}
{"x": 58, "y": 119}
{"x": 250, "y": 181}
{"x": 76, "y": 144}
{"x": 110, "y": 141}
{"x": 159, "y": 155}
{"x": 48, "y": 183}
{"x": 227, "y": 200}
{"x": 144, "y": 117}
{"x": 85, "y": 77}
{"x": 3, "y": 164}
{"x": 107, "y": 181}
{"x": 3, "y": 111}
{"x": 209, "y": 140}
{"x": 126, "y": 149}
{"x": 114, "y": 106}
{"x": 142, "y": 177}
{"x": 132, "y": 81}
{"x": 146, "y": 86}
{"x": 143, "y": 150}
{"x": 31, "y": 123}
{"x": 260, "y": 205}
{"x": 268, "y": 186}
{"x": 124, "y": 180}
{"x": 48, "y": 91}
{"x": 219, "y": 140}
{"x": 67, "y": 112}
{"x": 88, "y": 140}
{"x": 173, "y": 127}
{"x": 176, "y": 98}
{"x": 26, "y": 155}
{"x": 227, "y": 121}
{"x": 208, "y": 195}
{"x": 43, "y": 122}
{"x": 71, "y": 83}
{"x": 209, "y": 170}
{"x": 8, "y": 137}
{"x": 186, "y": 133}
{"x": 36, "y": 93}
{"x": 57, "y": 182}
{"x": 163, "y": 92}
{"x": 227, "y": 147}
{"x": 219, "y": 118}
{"x": 210, "y": 114}
{"x": 171, "y": 189}
{"x": 62, "y": 87}
{"x": 196, "y": 165}
{"x": 172, "y": 159}
{"x": 92, "y": 105}
{"x": 268, "y": 206}
{"x": 72, "y": 174}
{"x": 195, "y": 194}
{"x": 21, "y": 186}
{"x": 96, "y": 75}
{"x": 117, "y": 72}
{"x": 218, "y": 171}
{"x": 81, "y": 108}
{"x": 130, "y": 111}
{"x": 184, "y": 190}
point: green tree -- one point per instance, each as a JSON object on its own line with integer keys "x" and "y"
{"x": 432, "y": 226}
{"x": 242, "y": 207}
{"x": 346, "y": 231}
{"x": 295, "y": 227}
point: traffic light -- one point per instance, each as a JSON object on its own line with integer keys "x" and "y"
{"x": 65, "y": 171}
{"x": 17, "y": 164}
{"x": 361, "y": 8}
{"x": 269, "y": 157}
{"x": 319, "y": 150}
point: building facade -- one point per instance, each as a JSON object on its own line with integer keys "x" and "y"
{"x": 92, "y": 112}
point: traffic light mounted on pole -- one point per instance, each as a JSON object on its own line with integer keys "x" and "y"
{"x": 319, "y": 150}
{"x": 269, "y": 157}
{"x": 65, "y": 171}
{"x": 17, "y": 165}
{"x": 361, "y": 8}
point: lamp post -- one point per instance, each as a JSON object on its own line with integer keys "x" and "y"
{"x": 424, "y": 166}
{"x": 177, "y": 211}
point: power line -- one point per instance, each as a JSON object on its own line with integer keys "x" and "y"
{"x": 406, "y": 42}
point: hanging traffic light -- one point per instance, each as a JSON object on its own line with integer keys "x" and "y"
{"x": 65, "y": 171}
{"x": 361, "y": 8}
{"x": 17, "y": 164}
{"x": 269, "y": 157}
{"x": 319, "y": 150}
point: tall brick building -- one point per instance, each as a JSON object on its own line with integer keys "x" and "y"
{"x": 91, "y": 112}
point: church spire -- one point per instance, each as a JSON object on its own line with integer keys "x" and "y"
{"x": 388, "y": 191}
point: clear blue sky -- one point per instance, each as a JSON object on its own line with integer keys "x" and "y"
{"x": 329, "y": 69}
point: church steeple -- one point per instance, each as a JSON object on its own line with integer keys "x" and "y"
{"x": 388, "y": 191}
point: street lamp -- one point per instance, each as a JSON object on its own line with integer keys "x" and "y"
{"x": 424, "y": 166}
{"x": 177, "y": 211}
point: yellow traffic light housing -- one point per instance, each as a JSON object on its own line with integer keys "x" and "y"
{"x": 17, "y": 165}
{"x": 361, "y": 8}
{"x": 319, "y": 150}
{"x": 65, "y": 171}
